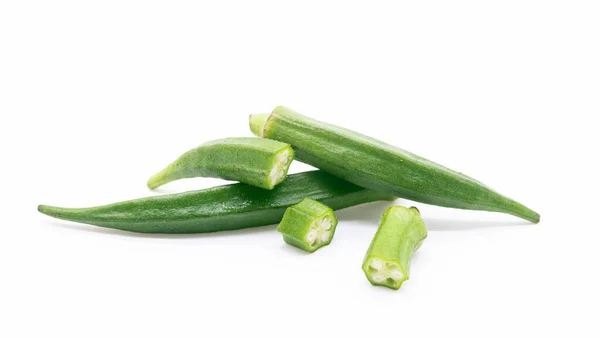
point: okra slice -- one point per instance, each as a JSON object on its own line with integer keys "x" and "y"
{"x": 260, "y": 162}
{"x": 401, "y": 232}
{"x": 308, "y": 225}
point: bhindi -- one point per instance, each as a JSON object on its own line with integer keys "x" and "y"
{"x": 308, "y": 225}
{"x": 227, "y": 207}
{"x": 376, "y": 165}
{"x": 256, "y": 161}
{"x": 401, "y": 232}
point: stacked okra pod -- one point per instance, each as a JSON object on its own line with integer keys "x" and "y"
{"x": 355, "y": 169}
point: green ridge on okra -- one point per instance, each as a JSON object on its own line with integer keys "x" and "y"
{"x": 228, "y": 207}
{"x": 376, "y": 165}
{"x": 255, "y": 161}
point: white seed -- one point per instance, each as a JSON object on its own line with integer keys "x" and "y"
{"x": 311, "y": 237}
{"x": 378, "y": 277}
{"x": 376, "y": 264}
{"x": 325, "y": 236}
{"x": 396, "y": 274}
{"x": 326, "y": 223}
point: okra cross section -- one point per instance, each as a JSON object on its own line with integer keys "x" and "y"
{"x": 255, "y": 161}
{"x": 308, "y": 225}
{"x": 401, "y": 232}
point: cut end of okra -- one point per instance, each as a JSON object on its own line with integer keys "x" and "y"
{"x": 401, "y": 232}
{"x": 385, "y": 273}
{"x": 280, "y": 167}
{"x": 308, "y": 225}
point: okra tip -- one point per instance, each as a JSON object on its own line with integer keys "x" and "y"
{"x": 49, "y": 210}
{"x": 157, "y": 180}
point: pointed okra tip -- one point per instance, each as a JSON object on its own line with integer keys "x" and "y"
{"x": 51, "y": 211}
{"x": 308, "y": 225}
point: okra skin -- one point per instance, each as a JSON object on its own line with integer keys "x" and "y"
{"x": 307, "y": 218}
{"x": 400, "y": 233}
{"x": 376, "y": 165}
{"x": 228, "y": 207}
{"x": 255, "y": 161}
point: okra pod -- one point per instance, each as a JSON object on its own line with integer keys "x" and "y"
{"x": 308, "y": 225}
{"x": 401, "y": 232}
{"x": 227, "y": 207}
{"x": 376, "y": 165}
{"x": 255, "y": 161}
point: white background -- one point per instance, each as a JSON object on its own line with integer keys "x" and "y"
{"x": 96, "y": 96}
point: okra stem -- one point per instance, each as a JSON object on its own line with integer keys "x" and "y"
{"x": 257, "y": 123}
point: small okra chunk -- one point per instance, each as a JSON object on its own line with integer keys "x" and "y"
{"x": 401, "y": 232}
{"x": 308, "y": 225}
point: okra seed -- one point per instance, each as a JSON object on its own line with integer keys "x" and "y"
{"x": 319, "y": 231}
{"x": 282, "y": 162}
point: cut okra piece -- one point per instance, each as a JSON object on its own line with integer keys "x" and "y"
{"x": 259, "y": 162}
{"x": 308, "y": 225}
{"x": 401, "y": 232}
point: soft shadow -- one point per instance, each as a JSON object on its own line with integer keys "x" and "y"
{"x": 370, "y": 212}
{"x": 416, "y": 257}
{"x": 434, "y": 224}
{"x": 293, "y": 250}
{"x": 115, "y": 232}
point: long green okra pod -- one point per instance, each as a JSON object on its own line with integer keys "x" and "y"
{"x": 255, "y": 161}
{"x": 376, "y": 165}
{"x": 228, "y": 207}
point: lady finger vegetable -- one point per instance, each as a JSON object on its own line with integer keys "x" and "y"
{"x": 259, "y": 162}
{"x": 308, "y": 225}
{"x": 376, "y": 165}
{"x": 401, "y": 232}
{"x": 227, "y": 207}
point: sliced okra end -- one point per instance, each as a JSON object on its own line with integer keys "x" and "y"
{"x": 401, "y": 232}
{"x": 384, "y": 272}
{"x": 308, "y": 225}
{"x": 280, "y": 166}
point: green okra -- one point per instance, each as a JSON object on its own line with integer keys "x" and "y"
{"x": 227, "y": 207}
{"x": 255, "y": 161}
{"x": 308, "y": 225}
{"x": 376, "y": 165}
{"x": 401, "y": 232}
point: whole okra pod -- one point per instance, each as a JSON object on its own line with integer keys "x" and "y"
{"x": 376, "y": 165}
{"x": 228, "y": 207}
